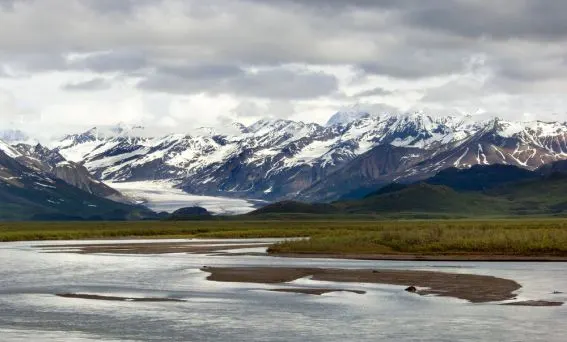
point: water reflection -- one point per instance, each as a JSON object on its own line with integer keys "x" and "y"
{"x": 212, "y": 311}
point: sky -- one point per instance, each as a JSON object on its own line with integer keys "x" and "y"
{"x": 176, "y": 65}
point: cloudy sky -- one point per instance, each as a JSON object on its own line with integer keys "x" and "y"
{"x": 175, "y": 65}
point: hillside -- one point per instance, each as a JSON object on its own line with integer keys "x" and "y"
{"x": 425, "y": 198}
{"x": 286, "y": 207}
{"x": 30, "y": 194}
{"x": 546, "y": 195}
{"x": 481, "y": 177}
{"x": 496, "y": 190}
{"x": 42, "y": 159}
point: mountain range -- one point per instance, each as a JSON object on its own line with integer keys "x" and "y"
{"x": 352, "y": 155}
{"x": 479, "y": 191}
{"x": 357, "y": 163}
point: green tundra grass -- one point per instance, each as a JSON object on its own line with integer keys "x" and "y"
{"x": 528, "y": 237}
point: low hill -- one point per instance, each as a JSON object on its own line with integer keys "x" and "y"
{"x": 189, "y": 214}
{"x": 544, "y": 195}
{"x": 293, "y": 207}
{"x": 392, "y": 187}
{"x": 559, "y": 166}
{"x": 426, "y": 198}
{"x": 475, "y": 178}
{"x": 481, "y": 177}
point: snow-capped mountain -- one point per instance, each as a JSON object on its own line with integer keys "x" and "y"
{"x": 9, "y": 150}
{"x": 37, "y": 183}
{"x": 42, "y": 159}
{"x": 344, "y": 117}
{"x": 276, "y": 159}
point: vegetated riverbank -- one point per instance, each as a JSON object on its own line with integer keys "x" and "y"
{"x": 514, "y": 239}
{"x": 460, "y": 240}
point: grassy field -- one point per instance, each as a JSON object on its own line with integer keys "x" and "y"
{"x": 526, "y": 237}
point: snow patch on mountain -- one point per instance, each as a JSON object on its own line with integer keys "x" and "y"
{"x": 9, "y": 150}
{"x": 345, "y": 117}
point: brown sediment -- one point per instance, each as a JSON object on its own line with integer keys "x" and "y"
{"x": 148, "y": 248}
{"x": 316, "y": 292}
{"x": 207, "y": 247}
{"x": 474, "y": 288}
{"x": 428, "y": 257}
{"x": 534, "y": 303}
{"x": 115, "y": 298}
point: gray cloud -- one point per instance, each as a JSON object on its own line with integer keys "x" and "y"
{"x": 284, "y": 84}
{"x": 4, "y": 72}
{"x": 34, "y": 62}
{"x": 191, "y": 46}
{"x": 114, "y": 61}
{"x": 90, "y": 85}
{"x": 277, "y": 83}
{"x": 404, "y": 39}
{"x": 503, "y": 19}
{"x": 273, "y": 109}
{"x": 373, "y": 92}
{"x": 8, "y": 5}
{"x": 118, "y": 6}
{"x": 418, "y": 64}
{"x": 190, "y": 79}
{"x": 203, "y": 72}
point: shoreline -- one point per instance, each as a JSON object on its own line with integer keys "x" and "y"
{"x": 195, "y": 246}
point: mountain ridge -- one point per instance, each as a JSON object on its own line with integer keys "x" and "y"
{"x": 480, "y": 191}
{"x": 284, "y": 159}
{"x": 28, "y": 191}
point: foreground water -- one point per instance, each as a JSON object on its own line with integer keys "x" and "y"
{"x": 30, "y": 311}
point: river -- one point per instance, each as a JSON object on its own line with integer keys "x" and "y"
{"x": 214, "y": 311}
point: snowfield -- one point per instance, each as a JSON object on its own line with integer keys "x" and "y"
{"x": 161, "y": 196}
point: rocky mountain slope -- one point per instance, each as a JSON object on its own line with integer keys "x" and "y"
{"x": 282, "y": 159}
{"x": 480, "y": 191}
{"x": 28, "y": 192}
{"x": 42, "y": 159}
{"x": 38, "y": 183}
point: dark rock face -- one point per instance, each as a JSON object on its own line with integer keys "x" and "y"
{"x": 373, "y": 169}
{"x": 52, "y": 162}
